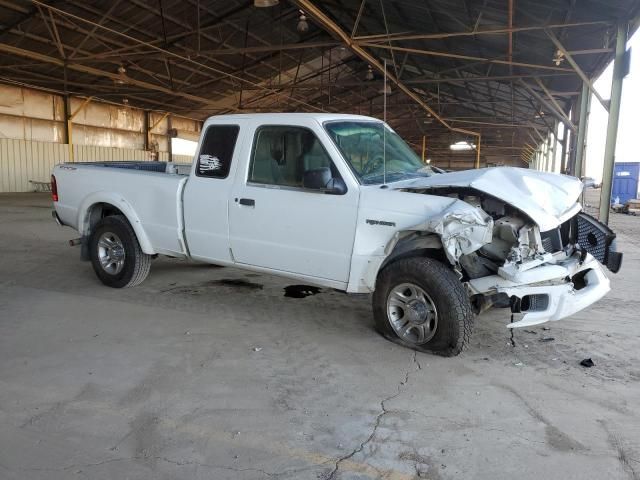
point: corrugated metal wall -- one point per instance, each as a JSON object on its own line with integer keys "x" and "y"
{"x": 32, "y": 131}
{"x": 21, "y": 160}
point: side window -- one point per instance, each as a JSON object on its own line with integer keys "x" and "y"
{"x": 216, "y": 152}
{"x": 281, "y": 156}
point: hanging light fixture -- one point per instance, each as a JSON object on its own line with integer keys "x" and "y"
{"x": 303, "y": 25}
{"x": 369, "y": 75}
{"x": 462, "y": 146}
{"x": 265, "y": 3}
{"x": 558, "y": 58}
{"x": 122, "y": 74}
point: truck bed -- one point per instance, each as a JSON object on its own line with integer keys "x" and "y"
{"x": 148, "y": 190}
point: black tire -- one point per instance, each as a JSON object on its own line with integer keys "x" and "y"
{"x": 455, "y": 317}
{"x": 136, "y": 263}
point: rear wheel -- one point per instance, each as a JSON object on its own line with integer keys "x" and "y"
{"x": 421, "y": 304}
{"x": 116, "y": 256}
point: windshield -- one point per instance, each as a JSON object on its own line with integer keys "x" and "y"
{"x": 361, "y": 143}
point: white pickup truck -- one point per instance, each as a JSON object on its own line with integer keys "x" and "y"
{"x": 341, "y": 201}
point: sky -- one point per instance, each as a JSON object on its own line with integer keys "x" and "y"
{"x": 626, "y": 147}
{"x": 626, "y": 150}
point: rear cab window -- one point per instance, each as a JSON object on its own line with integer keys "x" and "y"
{"x": 216, "y": 151}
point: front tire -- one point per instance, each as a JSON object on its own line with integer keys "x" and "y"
{"x": 421, "y": 304}
{"x": 116, "y": 256}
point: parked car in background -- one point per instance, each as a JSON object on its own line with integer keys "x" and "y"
{"x": 590, "y": 182}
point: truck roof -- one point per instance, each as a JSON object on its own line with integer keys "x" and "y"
{"x": 321, "y": 117}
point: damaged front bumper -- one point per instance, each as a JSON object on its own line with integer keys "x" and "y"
{"x": 548, "y": 292}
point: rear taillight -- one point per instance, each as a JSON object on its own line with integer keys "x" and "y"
{"x": 54, "y": 189}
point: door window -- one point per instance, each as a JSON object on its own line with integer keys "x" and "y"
{"x": 216, "y": 152}
{"x": 281, "y": 156}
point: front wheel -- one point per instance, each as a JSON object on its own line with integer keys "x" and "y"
{"x": 116, "y": 256}
{"x": 421, "y": 304}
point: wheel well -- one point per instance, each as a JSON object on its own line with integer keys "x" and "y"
{"x": 434, "y": 253}
{"x": 416, "y": 244}
{"x": 97, "y": 212}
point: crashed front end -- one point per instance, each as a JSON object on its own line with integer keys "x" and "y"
{"x": 549, "y": 275}
{"x": 505, "y": 260}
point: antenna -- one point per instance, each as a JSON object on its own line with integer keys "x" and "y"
{"x": 384, "y": 127}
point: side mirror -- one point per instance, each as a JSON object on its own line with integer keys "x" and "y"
{"x": 321, "y": 179}
{"x": 336, "y": 186}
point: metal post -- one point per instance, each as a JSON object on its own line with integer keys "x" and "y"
{"x": 612, "y": 125}
{"x": 583, "y": 124}
{"x": 67, "y": 113}
{"x": 478, "y": 152}
{"x": 145, "y": 127}
{"x": 424, "y": 148}
{"x": 554, "y": 143}
{"x": 169, "y": 138}
{"x": 68, "y": 129}
{"x": 547, "y": 152}
{"x": 563, "y": 151}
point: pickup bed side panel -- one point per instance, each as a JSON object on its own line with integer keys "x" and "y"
{"x": 151, "y": 202}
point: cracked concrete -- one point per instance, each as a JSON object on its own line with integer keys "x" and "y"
{"x": 192, "y": 376}
{"x": 383, "y": 411}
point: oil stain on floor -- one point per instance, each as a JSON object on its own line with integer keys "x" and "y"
{"x": 300, "y": 291}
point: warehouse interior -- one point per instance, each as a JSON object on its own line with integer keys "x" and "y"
{"x": 126, "y": 75}
{"x": 210, "y": 372}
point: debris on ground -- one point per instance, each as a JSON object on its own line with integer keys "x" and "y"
{"x": 531, "y": 332}
{"x": 257, "y": 349}
{"x": 519, "y": 364}
{"x": 546, "y": 328}
{"x": 587, "y": 362}
{"x": 546, "y": 339}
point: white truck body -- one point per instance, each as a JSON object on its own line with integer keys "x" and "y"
{"x": 344, "y": 240}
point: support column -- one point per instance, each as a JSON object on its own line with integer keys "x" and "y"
{"x": 68, "y": 126}
{"x": 169, "y": 138}
{"x": 547, "y": 153}
{"x": 145, "y": 127}
{"x": 554, "y": 143}
{"x": 612, "y": 125}
{"x": 563, "y": 150}
{"x": 583, "y": 124}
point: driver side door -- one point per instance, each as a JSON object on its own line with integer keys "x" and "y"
{"x": 277, "y": 223}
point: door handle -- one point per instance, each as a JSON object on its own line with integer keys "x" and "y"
{"x": 248, "y": 202}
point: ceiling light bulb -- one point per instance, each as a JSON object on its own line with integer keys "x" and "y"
{"x": 558, "y": 58}
{"x": 369, "y": 75}
{"x": 303, "y": 25}
{"x": 265, "y": 3}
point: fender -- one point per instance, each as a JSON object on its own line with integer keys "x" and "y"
{"x": 121, "y": 204}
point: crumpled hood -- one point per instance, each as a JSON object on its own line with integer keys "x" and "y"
{"x": 547, "y": 198}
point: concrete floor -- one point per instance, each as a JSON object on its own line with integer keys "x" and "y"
{"x": 188, "y": 376}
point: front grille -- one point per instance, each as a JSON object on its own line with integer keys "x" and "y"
{"x": 547, "y": 244}
{"x": 594, "y": 237}
{"x": 589, "y": 235}
{"x": 560, "y": 237}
